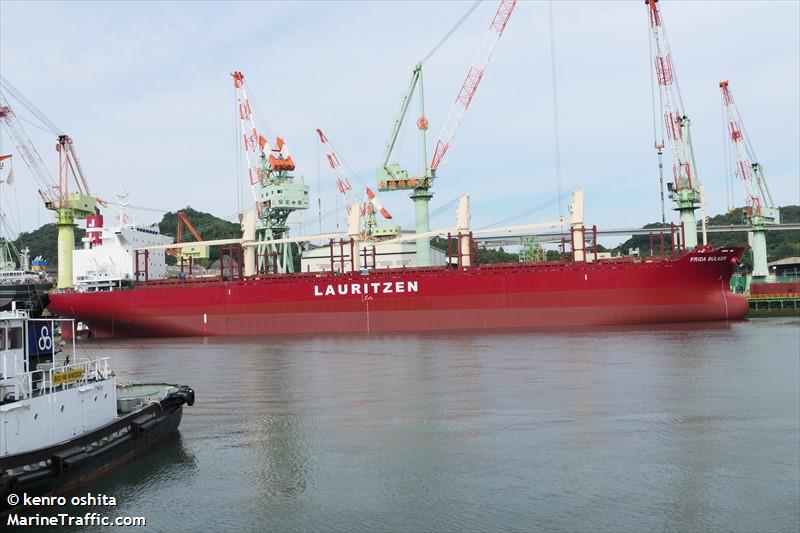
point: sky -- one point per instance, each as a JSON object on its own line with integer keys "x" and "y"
{"x": 144, "y": 89}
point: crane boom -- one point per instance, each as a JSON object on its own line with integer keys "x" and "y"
{"x": 473, "y": 79}
{"x": 685, "y": 187}
{"x": 28, "y": 152}
{"x": 746, "y": 167}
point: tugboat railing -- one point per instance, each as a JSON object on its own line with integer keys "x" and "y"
{"x": 61, "y": 378}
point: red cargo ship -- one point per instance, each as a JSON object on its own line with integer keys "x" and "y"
{"x": 688, "y": 286}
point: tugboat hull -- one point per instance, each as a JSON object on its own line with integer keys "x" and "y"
{"x": 57, "y": 469}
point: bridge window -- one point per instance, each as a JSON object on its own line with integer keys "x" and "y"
{"x": 14, "y": 338}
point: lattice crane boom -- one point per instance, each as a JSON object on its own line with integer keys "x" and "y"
{"x": 675, "y": 119}
{"x": 685, "y": 188}
{"x": 47, "y": 186}
{"x": 471, "y": 82}
{"x": 759, "y": 203}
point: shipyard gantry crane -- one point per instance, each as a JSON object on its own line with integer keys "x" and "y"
{"x": 275, "y": 193}
{"x": 391, "y": 176}
{"x": 68, "y": 206}
{"x": 759, "y": 209}
{"x": 369, "y": 207}
{"x": 684, "y": 189}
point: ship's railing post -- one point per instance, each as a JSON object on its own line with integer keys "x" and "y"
{"x": 241, "y": 260}
{"x": 146, "y": 265}
{"x": 672, "y": 237}
{"x": 449, "y": 248}
{"x": 374, "y": 258}
{"x": 330, "y": 244}
{"x": 274, "y": 262}
{"x": 473, "y": 251}
{"x": 594, "y": 240}
{"x": 662, "y": 242}
{"x": 353, "y": 256}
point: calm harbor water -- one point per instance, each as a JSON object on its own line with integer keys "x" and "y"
{"x": 681, "y": 428}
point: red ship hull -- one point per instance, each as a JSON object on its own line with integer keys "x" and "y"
{"x": 691, "y": 287}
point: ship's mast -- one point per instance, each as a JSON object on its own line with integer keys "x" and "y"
{"x": 759, "y": 207}
{"x": 275, "y": 193}
{"x": 684, "y": 190}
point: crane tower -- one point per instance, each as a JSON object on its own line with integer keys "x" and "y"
{"x": 275, "y": 193}
{"x": 68, "y": 206}
{"x": 684, "y": 189}
{"x": 759, "y": 206}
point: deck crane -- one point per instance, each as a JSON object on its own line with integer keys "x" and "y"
{"x": 685, "y": 188}
{"x": 391, "y": 177}
{"x": 275, "y": 193}
{"x": 759, "y": 208}
{"x": 370, "y": 206}
{"x": 68, "y": 206}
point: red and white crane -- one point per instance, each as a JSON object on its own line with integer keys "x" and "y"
{"x": 391, "y": 176}
{"x": 275, "y": 193}
{"x": 56, "y": 196}
{"x": 473, "y": 79}
{"x": 759, "y": 209}
{"x": 369, "y": 206}
{"x": 685, "y": 188}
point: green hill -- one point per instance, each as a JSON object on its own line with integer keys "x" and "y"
{"x": 44, "y": 242}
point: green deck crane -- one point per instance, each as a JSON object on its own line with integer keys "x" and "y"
{"x": 391, "y": 176}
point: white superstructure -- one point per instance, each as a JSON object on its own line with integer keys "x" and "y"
{"x": 107, "y": 258}
{"x": 47, "y": 396}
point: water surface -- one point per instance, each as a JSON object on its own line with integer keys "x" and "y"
{"x": 679, "y": 428}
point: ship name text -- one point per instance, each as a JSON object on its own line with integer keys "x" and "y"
{"x": 377, "y": 287}
{"x": 707, "y": 259}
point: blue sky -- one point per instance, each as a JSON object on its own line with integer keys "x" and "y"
{"x": 144, "y": 89}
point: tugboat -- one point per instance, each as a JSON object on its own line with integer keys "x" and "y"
{"x": 65, "y": 420}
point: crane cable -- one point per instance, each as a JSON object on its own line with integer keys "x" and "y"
{"x": 451, "y": 32}
{"x": 658, "y": 126}
{"x": 22, "y": 99}
{"x": 556, "y": 129}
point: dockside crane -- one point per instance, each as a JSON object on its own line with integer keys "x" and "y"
{"x": 201, "y": 251}
{"x": 760, "y": 209}
{"x": 370, "y": 206}
{"x": 68, "y": 206}
{"x": 275, "y": 193}
{"x": 391, "y": 176}
{"x": 684, "y": 189}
